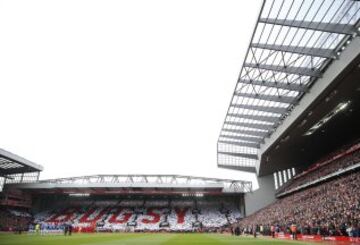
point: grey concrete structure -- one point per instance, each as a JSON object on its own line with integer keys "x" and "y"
{"x": 261, "y": 197}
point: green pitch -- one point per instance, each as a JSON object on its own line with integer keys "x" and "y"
{"x": 138, "y": 238}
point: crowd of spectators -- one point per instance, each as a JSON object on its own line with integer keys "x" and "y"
{"x": 144, "y": 215}
{"x": 342, "y": 159}
{"x": 329, "y": 209}
{"x": 14, "y": 220}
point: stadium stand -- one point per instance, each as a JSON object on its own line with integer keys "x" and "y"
{"x": 15, "y": 205}
{"x": 342, "y": 160}
{"x": 327, "y": 203}
{"x": 112, "y": 203}
{"x": 14, "y": 219}
{"x": 140, "y": 215}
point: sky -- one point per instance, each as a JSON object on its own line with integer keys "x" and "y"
{"x": 120, "y": 87}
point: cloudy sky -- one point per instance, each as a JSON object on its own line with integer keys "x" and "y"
{"x": 118, "y": 87}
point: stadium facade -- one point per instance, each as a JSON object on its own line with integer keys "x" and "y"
{"x": 297, "y": 96}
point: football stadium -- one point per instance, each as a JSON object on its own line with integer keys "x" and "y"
{"x": 293, "y": 122}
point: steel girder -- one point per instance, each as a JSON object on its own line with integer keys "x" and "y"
{"x": 302, "y": 71}
{"x": 315, "y": 52}
{"x": 244, "y": 144}
{"x": 271, "y": 119}
{"x": 316, "y": 26}
{"x": 247, "y": 132}
{"x": 284, "y": 59}
{"x": 251, "y": 125}
{"x": 275, "y": 98}
{"x": 243, "y": 138}
{"x": 279, "y": 85}
{"x": 272, "y": 109}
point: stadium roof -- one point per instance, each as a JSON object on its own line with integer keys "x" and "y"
{"x": 293, "y": 44}
{"x": 13, "y": 164}
{"x": 111, "y": 184}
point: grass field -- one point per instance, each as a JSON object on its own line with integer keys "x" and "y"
{"x": 138, "y": 238}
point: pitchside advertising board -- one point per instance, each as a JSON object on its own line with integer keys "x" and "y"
{"x": 319, "y": 238}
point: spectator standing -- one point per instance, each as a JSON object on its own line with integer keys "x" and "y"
{"x": 272, "y": 230}
{"x": 293, "y": 229}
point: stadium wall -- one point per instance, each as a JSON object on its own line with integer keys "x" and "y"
{"x": 261, "y": 197}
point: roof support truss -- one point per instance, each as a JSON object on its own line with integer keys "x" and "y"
{"x": 316, "y": 26}
{"x": 272, "y": 109}
{"x": 244, "y": 144}
{"x": 271, "y": 119}
{"x": 243, "y": 138}
{"x": 287, "y": 86}
{"x": 275, "y": 98}
{"x": 287, "y": 55}
{"x": 315, "y": 52}
{"x": 251, "y": 125}
{"x": 247, "y": 132}
{"x": 302, "y": 71}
